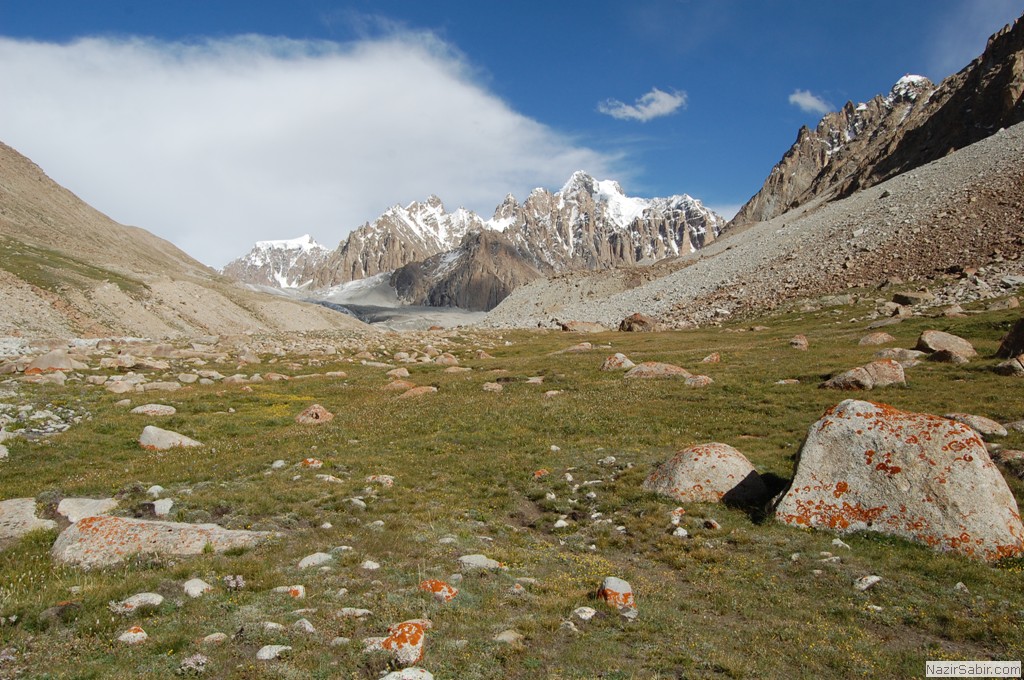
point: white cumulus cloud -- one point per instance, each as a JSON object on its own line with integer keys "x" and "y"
{"x": 654, "y": 104}
{"x": 809, "y": 102}
{"x": 214, "y": 144}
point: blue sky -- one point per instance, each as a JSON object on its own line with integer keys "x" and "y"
{"x": 218, "y": 123}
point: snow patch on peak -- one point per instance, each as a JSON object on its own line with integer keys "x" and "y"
{"x": 304, "y": 243}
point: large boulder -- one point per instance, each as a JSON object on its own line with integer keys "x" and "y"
{"x": 936, "y": 341}
{"x": 57, "y": 360}
{"x": 638, "y": 323}
{"x": 103, "y": 541}
{"x": 155, "y": 438}
{"x": 870, "y": 467}
{"x": 708, "y": 473}
{"x": 882, "y": 373}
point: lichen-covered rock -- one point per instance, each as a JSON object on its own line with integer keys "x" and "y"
{"x": 619, "y": 595}
{"x": 870, "y": 467}
{"x": 708, "y": 473}
{"x": 656, "y": 369}
{"x": 876, "y": 338}
{"x": 104, "y": 540}
{"x": 881, "y": 373}
{"x": 405, "y": 642}
{"x": 442, "y": 592}
{"x": 314, "y": 415}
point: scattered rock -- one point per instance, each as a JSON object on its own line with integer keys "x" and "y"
{"x": 74, "y": 509}
{"x": 865, "y": 582}
{"x": 442, "y": 592}
{"x": 882, "y": 373}
{"x": 297, "y": 592}
{"x": 493, "y": 387}
{"x": 619, "y": 595}
{"x": 584, "y": 613}
{"x": 708, "y": 473}
{"x": 510, "y": 637}
{"x": 418, "y": 392}
{"x": 405, "y": 642}
{"x": 870, "y": 467}
{"x": 879, "y": 338}
{"x": 582, "y": 327}
{"x": 1013, "y": 344}
{"x": 655, "y": 369}
{"x": 271, "y": 652}
{"x": 196, "y": 587}
{"x": 907, "y": 358}
{"x": 798, "y": 342}
{"x": 314, "y": 415}
{"x": 1011, "y": 367}
{"x": 18, "y": 517}
{"x": 133, "y": 636}
{"x": 934, "y": 341}
{"x": 471, "y": 562}
{"x": 712, "y": 358}
{"x": 986, "y": 427}
{"x": 155, "y": 410}
{"x": 409, "y": 674}
{"x": 135, "y": 603}
{"x": 698, "y": 381}
{"x": 315, "y": 560}
{"x": 104, "y": 540}
{"x": 156, "y": 439}
{"x": 638, "y": 323}
{"x": 617, "y": 362}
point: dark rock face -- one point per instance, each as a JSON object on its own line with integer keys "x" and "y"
{"x": 477, "y": 276}
{"x": 916, "y": 123}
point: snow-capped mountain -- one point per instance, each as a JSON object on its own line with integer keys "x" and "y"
{"x": 290, "y": 263}
{"x": 588, "y": 224}
{"x": 459, "y": 258}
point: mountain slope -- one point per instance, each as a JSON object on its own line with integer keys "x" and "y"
{"x": 291, "y": 263}
{"x": 916, "y": 123}
{"x": 66, "y": 269}
{"x": 964, "y": 210}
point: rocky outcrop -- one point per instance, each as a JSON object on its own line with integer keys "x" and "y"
{"x": 864, "y": 144}
{"x": 870, "y": 467}
{"x": 479, "y": 274}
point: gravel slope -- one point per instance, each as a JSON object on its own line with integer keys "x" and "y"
{"x": 965, "y": 209}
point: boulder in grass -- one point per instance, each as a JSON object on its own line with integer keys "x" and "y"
{"x": 1012, "y": 367}
{"x": 877, "y": 338}
{"x": 156, "y": 439}
{"x": 638, "y": 323}
{"x": 934, "y": 341}
{"x": 417, "y": 392}
{"x": 870, "y": 467}
{"x": 619, "y": 595}
{"x": 582, "y": 327}
{"x": 882, "y": 373}
{"x": 405, "y": 641}
{"x": 656, "y": 369}
{"x": 398, "y": 386}
{"x": 105, "y": 540}
{"x": 74, "y": 509}
{"x": 708, "y": 473}
{"x": 443, "y": 592}
{"x": 57, "y": 360}
{"x": 617, "y": 362}
{"x": 314, "y": 415}
{"x": 799, "y": 342}
{"x": 154, "y": 410}
{"x": 412, "y": 673}
{"x": 18, "y": 517}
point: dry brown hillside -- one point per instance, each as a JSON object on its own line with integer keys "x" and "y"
{"x": 67, "y": 270}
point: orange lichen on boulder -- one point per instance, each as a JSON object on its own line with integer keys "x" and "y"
{"x": 867, "y": 466}
{"x": 405, "y": 642}
{"x": 619, "y": 595}
{"x": 442, "y": 592}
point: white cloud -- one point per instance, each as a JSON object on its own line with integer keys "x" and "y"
{"x": 654, "y": 104}
{"x": 216, "y": 144}
{"x": 809, "y": 102}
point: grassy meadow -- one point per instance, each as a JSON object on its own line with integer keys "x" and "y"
{"x": 730, "y": 602}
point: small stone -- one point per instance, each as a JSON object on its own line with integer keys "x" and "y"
{"x": 838, "y": 542}
{"x": 156, "y": 439}
{"x": 298, "y": 592}
{"x": 470, "y": 562}
{"x": 135, "y": 602}
{"x": 133, "y": 636}
{"x": 315, "y": 560}
{"x": 369, "y": 565}
{"x": 196, "y": 587}
{"x": 493, "y": 387}
{"x": 162, "y": 507}
{"x": 865, "y": 582}
{"x": 509, "y": 637}
{"x": 340, "y": 641}
{"x": 354, "y": 613}
{"x": 961, "y": 588}
{"x": 584, "y": 613}
{"x": 442, "y": 592}
{"x": 304, "y": 626}
{"x": 314, "y": 415}
{"x": 680, "y": 532}
{"x": 271, "y": 652}
{"x": 155, "y": 410}
{"x": 215, "y": 639}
